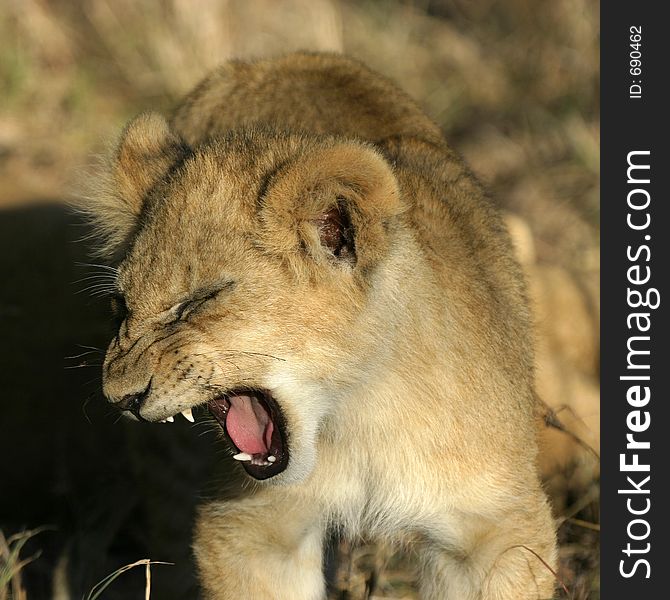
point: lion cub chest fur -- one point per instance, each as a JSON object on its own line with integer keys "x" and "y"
{"x": 299, "y": 251}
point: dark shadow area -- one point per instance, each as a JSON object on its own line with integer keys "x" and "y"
{"x": 111, "y": 491}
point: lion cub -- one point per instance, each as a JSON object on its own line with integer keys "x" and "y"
{"x": 301, "y": 253}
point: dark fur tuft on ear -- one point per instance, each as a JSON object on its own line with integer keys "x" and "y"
{"x": 115, "y": 194}
{"x": 336, "y": 233}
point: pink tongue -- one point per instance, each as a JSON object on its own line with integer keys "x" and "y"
{"x": 249, "y": 425}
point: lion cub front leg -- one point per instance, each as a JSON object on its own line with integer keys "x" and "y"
{"x": 506, "y": 558}
{"x": 267, "y": 546}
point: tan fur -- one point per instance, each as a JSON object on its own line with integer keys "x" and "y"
{"x": 405, "y": 378}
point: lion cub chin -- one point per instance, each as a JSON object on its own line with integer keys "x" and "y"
{"x": 298, "y": 252}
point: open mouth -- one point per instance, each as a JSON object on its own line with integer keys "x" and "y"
{"x": 253, "y": 424}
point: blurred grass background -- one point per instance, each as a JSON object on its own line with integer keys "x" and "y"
{"x": 513, "y": 83}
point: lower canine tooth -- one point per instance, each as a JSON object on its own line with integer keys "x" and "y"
{"x": 242, "y": 456}
{"x": 188, "y": 415}
{"x": 272, "y": 459}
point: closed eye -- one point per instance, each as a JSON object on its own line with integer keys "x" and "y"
{"x": 182, "y": 310}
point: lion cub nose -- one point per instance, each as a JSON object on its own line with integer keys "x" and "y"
{"x": 133, "y": 402}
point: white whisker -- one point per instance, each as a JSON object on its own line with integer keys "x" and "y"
{"x": 98, "y": 266}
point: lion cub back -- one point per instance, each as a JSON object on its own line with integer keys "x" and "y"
{"x": 315, "y": 93}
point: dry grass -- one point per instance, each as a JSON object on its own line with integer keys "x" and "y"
{"x": 514, "y": 84}
{"x": 12, "y": 564}
{"x": 97, "y": 590}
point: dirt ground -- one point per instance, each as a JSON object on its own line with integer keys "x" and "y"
{"x": 514, "y": 85}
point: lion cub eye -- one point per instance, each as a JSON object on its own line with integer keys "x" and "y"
{"x": 182, "y": 310}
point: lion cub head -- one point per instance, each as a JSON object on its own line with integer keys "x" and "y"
{"x": 245, "y": 267}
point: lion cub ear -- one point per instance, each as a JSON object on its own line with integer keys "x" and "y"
{"x": 335, "y": 204}
{"x": 146, "y": 151}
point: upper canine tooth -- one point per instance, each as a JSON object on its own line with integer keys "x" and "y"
{"x": 170, "y": 419}
{"x": 242, "y": 456}
{"x": 188, "y": 415}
